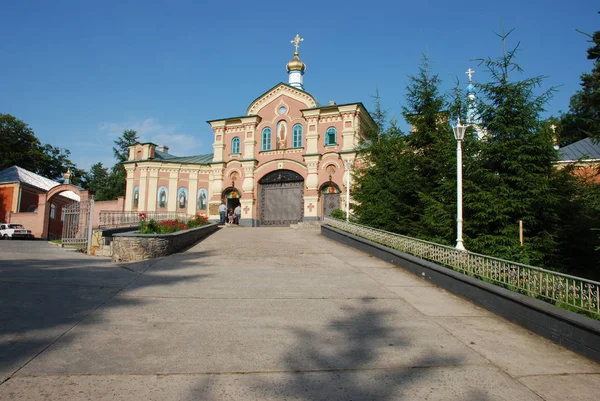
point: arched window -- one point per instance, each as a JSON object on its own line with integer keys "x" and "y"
{"x": 53, "y": 211}
{"x": 330, "y": 137}
{"x": 235, "y": 145}
{"x": 266, "y": 139}
{"x": 297, "y": 136}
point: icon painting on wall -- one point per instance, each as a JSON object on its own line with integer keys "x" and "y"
{"x": 182, "y": 197}
{"x": 162, "y": 196}
{"x": 202, "y": 198}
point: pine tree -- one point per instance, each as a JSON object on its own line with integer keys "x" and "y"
{"x": 406, "y": 184}
{"x": 583, "y": 118}
{"x": 430, "y": 154}
{"x": 515, "y": 181}
{"x": 98, "y": 182}
{"x": 579, "y": 220}
{"x": 384, "y": 191}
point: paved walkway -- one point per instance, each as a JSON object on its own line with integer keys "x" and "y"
{"x": 260, "y": 314}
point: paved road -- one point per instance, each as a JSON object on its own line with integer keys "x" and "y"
{"x": 260, "y": 314}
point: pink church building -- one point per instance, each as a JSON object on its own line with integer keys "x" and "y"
{"x": 284, "y": 161}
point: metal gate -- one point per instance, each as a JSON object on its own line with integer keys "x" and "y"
{"x": 281, "y": 198}
{"x": 77, "y": 224}
{"x": 330, "y": 203}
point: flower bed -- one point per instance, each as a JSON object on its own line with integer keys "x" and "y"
{"x": 169, "y": 226}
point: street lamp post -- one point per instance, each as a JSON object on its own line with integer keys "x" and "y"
{"x": 459, "y": 134}
{"x": 348, "y": 168}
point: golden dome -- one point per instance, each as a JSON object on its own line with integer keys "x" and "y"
{"x": 295, "y": 64}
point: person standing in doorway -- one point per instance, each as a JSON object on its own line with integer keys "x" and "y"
{"x": 238, "y": 214}
{"x": 222, "y": 212}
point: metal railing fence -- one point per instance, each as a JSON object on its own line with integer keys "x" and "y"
{"x": 554, "y": 287}
{"x": 110, "y": 219}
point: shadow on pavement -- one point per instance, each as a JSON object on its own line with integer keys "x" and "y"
{"x": 343, "y": 363}
{"x": 45, "y": 292}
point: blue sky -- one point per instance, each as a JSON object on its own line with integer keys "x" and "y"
{"x": 80, "y": 72}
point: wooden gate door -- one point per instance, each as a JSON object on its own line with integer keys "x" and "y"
{"x": 330, "y": 203}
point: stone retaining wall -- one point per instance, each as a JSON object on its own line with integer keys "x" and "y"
{"x": 130, "y": 246}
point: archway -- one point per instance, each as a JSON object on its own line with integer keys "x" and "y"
{"x": 231, "y": 196}
{"x": 330, "y": 198}
{"x": 66, "y": 214}
{"x": 281, "y": 198}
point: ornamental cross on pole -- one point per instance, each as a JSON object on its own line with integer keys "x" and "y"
{"x": 470, "y": 73}
{"x": 296, "y": 42}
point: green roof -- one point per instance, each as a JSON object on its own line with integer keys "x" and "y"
{"x": 197, "y": 159}
{"x": 169, "y": 158}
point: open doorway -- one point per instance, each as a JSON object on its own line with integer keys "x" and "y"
{"x": 231, "y": 196}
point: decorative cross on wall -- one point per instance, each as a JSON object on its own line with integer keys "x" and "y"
{"x": 310, "y": 207}
{"x": 246, "y": 209}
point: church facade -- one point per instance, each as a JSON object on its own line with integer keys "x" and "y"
{"x": 285, "y": 160}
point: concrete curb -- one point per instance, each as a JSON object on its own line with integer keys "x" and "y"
{"x": 569, "y": 329}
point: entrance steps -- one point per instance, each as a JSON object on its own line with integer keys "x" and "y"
{"x": 307, "y": 225}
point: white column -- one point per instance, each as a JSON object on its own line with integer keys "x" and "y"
{"x": 219, "y": 143}
{"x": 348, "y": 132}
{"x": 312, "y": 135}
{"x": 172, "y": 200}
{"x": 149, "y": 203}
{"x": 143, "y": 185}
{"x": 192, "y": 205}
{"x": 130, "y": 171}
{"x": 348, "y": 170}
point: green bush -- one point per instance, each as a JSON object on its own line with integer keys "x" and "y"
{"x": 338, "y": 214}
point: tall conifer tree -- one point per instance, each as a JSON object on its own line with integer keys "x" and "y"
{"x": 517, "y": 165}
{"x": 583, "y": 118}
{"x": 405, "y": 186}
{"x": 430, "y": 154}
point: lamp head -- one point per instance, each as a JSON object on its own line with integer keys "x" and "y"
{"x": 459, "y": 130}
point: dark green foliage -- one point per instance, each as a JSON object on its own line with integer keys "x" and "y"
{"x": 406, "y": 185}
{"x": 583, "y": 118}
{"x": 379, "y": 115}
{"x": 579, "y": 216}
{"x": 98, "y": 182}
{"x": 22, "y": 148}
{"x": 515, "y": 180}
{"x": 118, "y": 176}
{"x": 128, "y": 138}
{"x": 338, "y": 214}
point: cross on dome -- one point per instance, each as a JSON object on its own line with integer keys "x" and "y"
{"x": 470, "y": 73}
{"x": 296, "y": 67}
{"x": 296, "y": 42}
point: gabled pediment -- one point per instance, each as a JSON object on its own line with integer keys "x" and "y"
{"x": 278, "y": 90}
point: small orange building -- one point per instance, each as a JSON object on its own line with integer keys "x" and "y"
{"x": 20, "y": 192}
